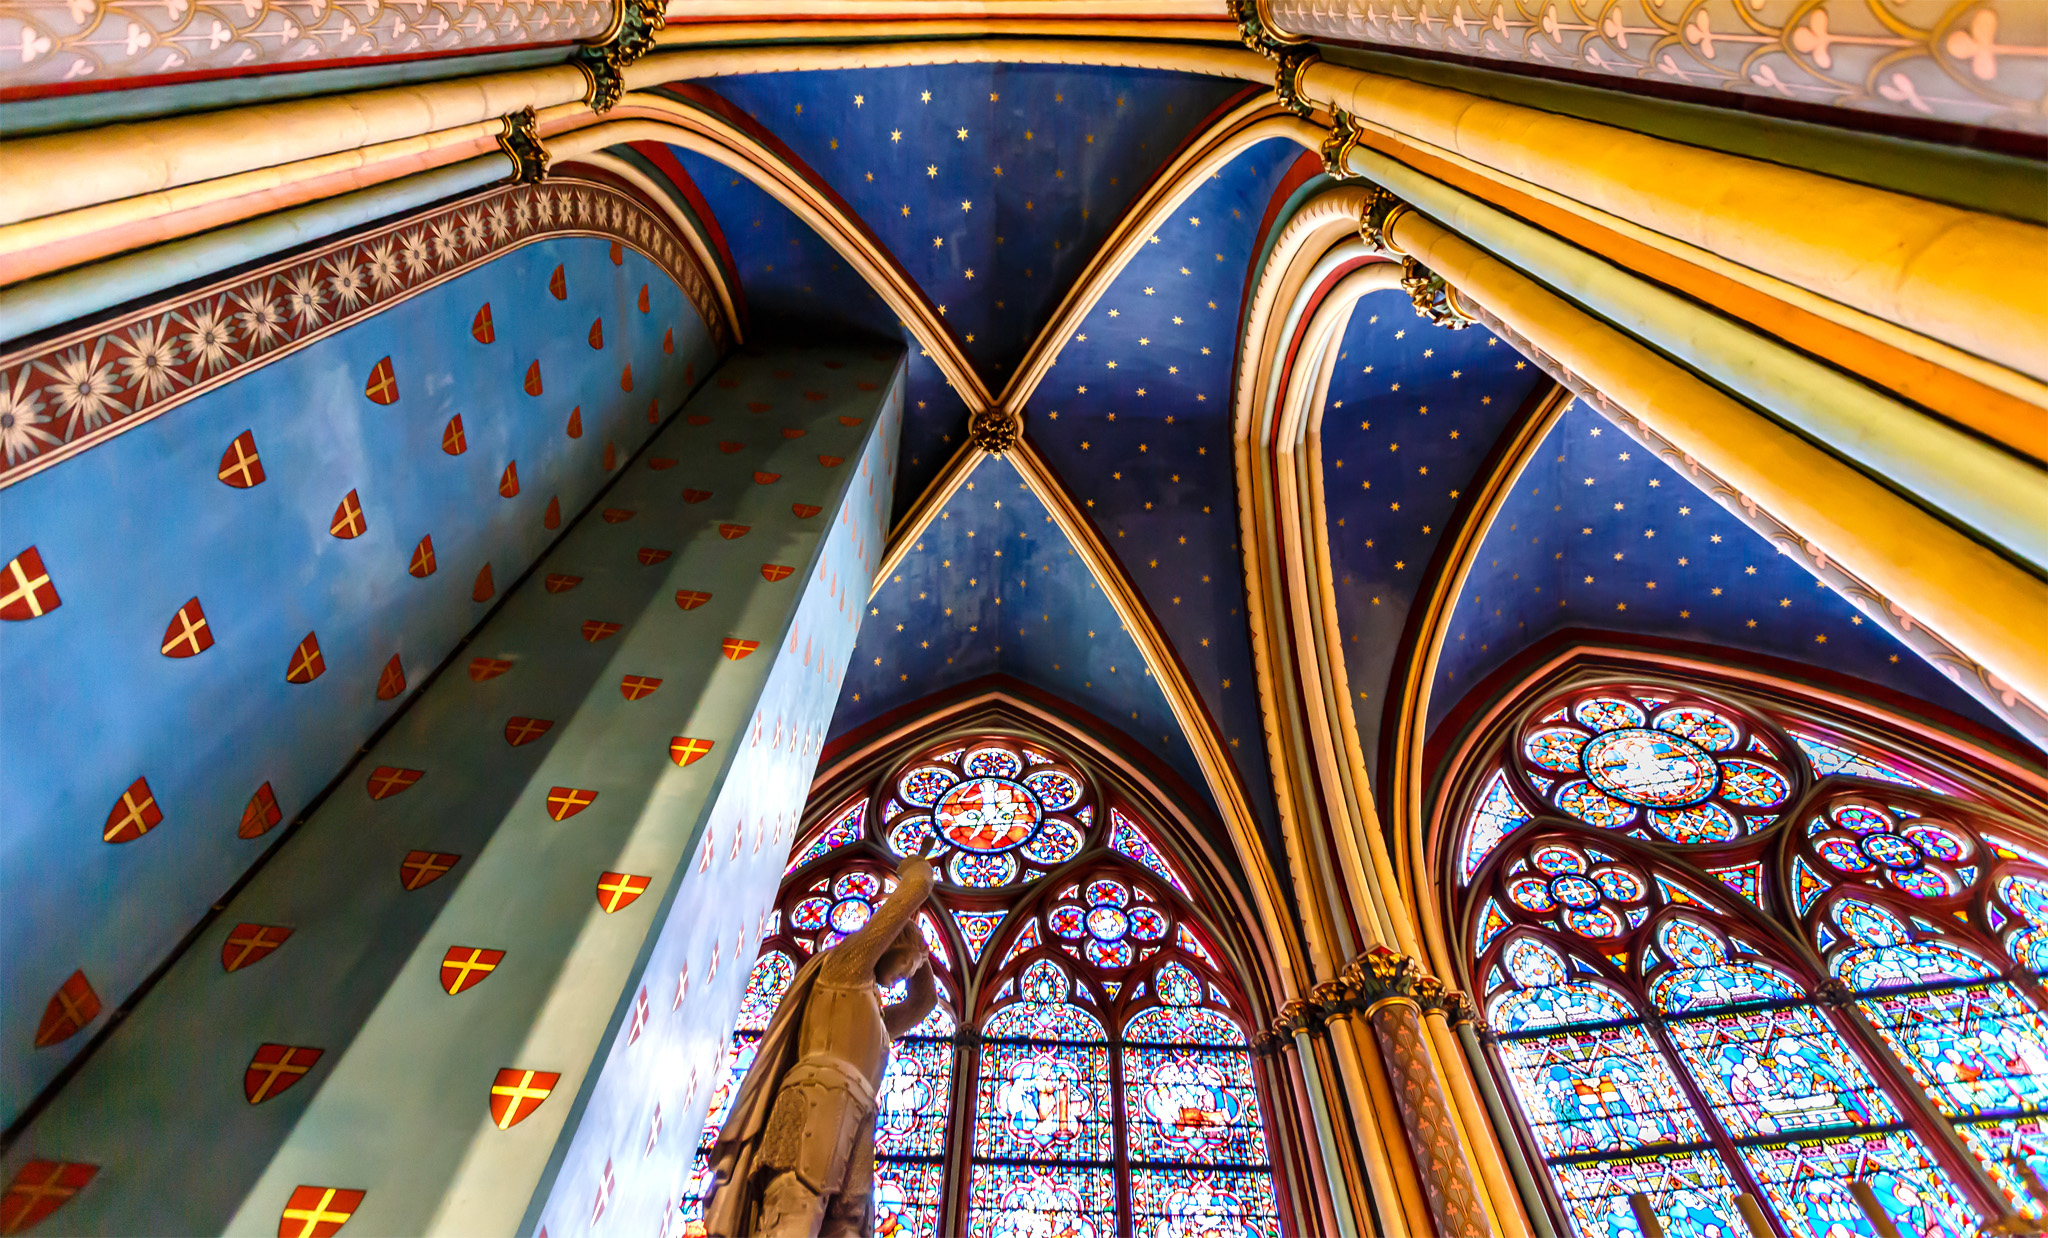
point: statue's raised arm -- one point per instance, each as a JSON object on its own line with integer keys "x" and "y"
{"x": 855, "y": 958}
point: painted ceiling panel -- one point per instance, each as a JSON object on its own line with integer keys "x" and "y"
{"x": 991, "y": 184}
{"x": 799, "y": 290}
{"x": 1411, "y": 414}
{"x": 1601, "y": 534}
{"x": 993, "y": 587}
{"x": 1135, "y": 416}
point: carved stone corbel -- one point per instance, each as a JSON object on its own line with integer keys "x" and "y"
{"x": 1379, "y": 217}
{"x": 993, "y": 430}
{"x": 603, "y": 61}
{"x": 1434, "y": 299}
{"x": 1336, "y": 148}
{"x": 522, "y": 145}
{"x": 1294, "y": 61}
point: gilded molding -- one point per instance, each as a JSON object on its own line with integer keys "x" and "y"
{"x": 1336, "y": 149}
{"x": 603, "y": 61}
{"x": 1434, "y": 299}
{"x": 1293, "y": 62}
{"x": 522, "y": 145}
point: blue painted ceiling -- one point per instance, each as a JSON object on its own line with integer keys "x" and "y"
{"x": 1601, "y": 534}
{"x": 1412, "y": 413}
{"x": 1051, "y": 159}
{"x": 994, "y": 587}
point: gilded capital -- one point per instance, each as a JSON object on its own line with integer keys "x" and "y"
{"x": 1434, "y": 299}
{"x": 1336, "y": 148}
{"x": 521, "y": 143}
{"x": 993, "y": 430}
{"x": 603, "y": 61}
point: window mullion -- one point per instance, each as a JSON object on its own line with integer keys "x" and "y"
{"x": 1921, "y": 1113}
{"x": 959, "y": 1170}
{"x": 1738, "y": 1168}
{"x": 1119, "y": 1141}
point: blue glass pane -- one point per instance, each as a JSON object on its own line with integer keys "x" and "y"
{"x": 907, "y": 1199}
{"x": 1058, "y": 1201}
{"x": 1202, "y": 1203}
{"x": 1187, "y": 1105}
{"x": 1043, "y": 1102}
{"x": 1775, "y": 1072}
{"x": 1807, "y": 1185}
{"x": 1689, "y": 1191}
{"x": 1598, "y": 1091}
{"x": 1182, "y": 1025}
{"x": 1979, "y": 1050}
{"x": 911, "y": 1107}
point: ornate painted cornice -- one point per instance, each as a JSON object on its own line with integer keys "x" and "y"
{"x": 1972, "y": 64}
{"x": 70, "y": 393}
{"x": 603, "y": 61}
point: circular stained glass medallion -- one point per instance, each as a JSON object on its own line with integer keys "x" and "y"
{"x": 1650, "y": 768}
{"x": 986, "y": 814}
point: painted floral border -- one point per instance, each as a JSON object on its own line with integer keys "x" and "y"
{"x": 1970, "y": 64}
{"x": 67, "y": 394}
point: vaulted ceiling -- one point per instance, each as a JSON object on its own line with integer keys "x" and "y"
{"x": 989, "y": 188}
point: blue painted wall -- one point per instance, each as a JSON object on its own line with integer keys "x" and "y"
{"x": 134, "y": 528}
{"x": 785, "y": 467}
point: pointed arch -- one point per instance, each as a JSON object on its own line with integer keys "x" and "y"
{"x": 1091, "y": 1055}
{"x": 1734, "y": 945}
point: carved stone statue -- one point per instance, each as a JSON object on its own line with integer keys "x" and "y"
{"x": 796, "y": 1158}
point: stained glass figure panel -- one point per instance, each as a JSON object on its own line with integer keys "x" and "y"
{"x": 1807, "y": 1184}
{"x": 1043, "y": 1102}
{"x": 1202, "y": 1203}
{"x": 765, "y": 985}
{"x": 907, "y": 1198}
{"x": 2000, "y": 1142}
{"x": 913, "y": 1102}
{"x": 1192, "y": 1106}
{"x": 1689, "y": 1191}
{"x": 1057, "y": 1201}
{"x": 1979, "y": 1050}
{"x": 1603, "y": 1090}
{"x": 1778, "y": 1072}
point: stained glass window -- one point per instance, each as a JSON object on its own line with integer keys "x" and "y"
{"x": 1109, "y": 1089}
{"x": 1662, "y": 1040}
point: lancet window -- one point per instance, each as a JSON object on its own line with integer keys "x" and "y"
{"x": 1098, "y": 1080}
{"x": 1754, "y": 974}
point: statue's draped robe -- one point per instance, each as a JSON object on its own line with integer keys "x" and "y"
{"x": 741, "y": 1171}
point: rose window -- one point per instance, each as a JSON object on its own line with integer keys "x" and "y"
{"x": 1590, "y": 892}
{"x": 1918, "y": 855}
{"x": 1684, "y": 773}
{"x": 840, "y": 909}
{"x": 996, "y": 812}
{"x": 1105, "y": 926}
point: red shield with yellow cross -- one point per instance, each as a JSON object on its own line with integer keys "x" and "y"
{"x": 618, "y": 890}
{"x": 566, "y": 802}
{"x": 382, "y": 385}
{"x": 388, "y": 780}
{"x": 26, "y": 590}
{"x": 305, "y": 665}
{"x": 133, "y": 815}
{"x": 521, "y": 730}
{"x": 481, "y": 669}
{"x": 240, "y": 466}
{"x": 317, "y": 1211}
{"x": 516, "y": 1093}
{"x": 465, "y": 967}
{"x": 686, "y": 751}
{"x": 633, "y": 687}
{"x": 38, "y": 1189}
{"x": 275, "y": 1068}
{"x": 734, "y": 648}
{"x": 420, "y": 868}
{"x": 74, "y": 1005}
{"x": 250, "y": 943}
{"x": 260, "y": 815}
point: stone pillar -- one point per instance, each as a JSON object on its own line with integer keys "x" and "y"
{"x": 486, "y": 988}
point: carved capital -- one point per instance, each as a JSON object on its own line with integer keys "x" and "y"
{"x": 1298, "y": 1016}
{"x": 1336, "y": 148}
{"x": 603, "y": 61}
{"x": 522, "y": 145}
{"x": 1375, "y": 224}
{"x": 993, "y": 430}
{"x": 1380, "y": 973}
{"x": 1257, "y": 33}
{"x": 1434, "y": 299}
{"x": 1294, "y": 61}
